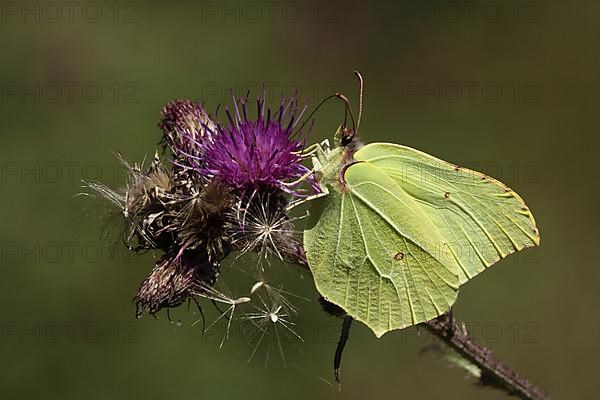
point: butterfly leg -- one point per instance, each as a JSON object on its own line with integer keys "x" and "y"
{"x": 322, "y": 147}
{"x": 299, "y": 180}
{"x": 296, "y": 203}
{"x": 317, "y": 151}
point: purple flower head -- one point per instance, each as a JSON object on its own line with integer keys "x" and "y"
{"x": 261, "y": 153}
{"x": 186, "y": 127}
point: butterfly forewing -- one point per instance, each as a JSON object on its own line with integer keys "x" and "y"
{"x": 480, "y": 219}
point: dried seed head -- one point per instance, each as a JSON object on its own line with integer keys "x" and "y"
{"x": 173, "y": 280}
{"x": 142, "y": 203}
{"x": 147, "y": 193}
{"x": 200, "y": 220}
{"x": 146, "y": 188}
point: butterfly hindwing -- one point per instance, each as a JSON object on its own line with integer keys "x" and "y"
{"x": 370, "y": 253}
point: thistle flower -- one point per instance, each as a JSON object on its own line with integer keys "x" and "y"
{"x": 186, "y": 128}
{"x": 250, "y": 155}
{"x": 226, "y": 188}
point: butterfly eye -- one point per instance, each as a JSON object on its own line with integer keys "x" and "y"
{"x": 347, "y": 136}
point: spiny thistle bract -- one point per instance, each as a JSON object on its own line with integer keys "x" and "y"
{"x": 223, "y": 188}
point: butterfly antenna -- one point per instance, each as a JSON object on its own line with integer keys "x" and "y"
{"x": 360, "y": 97}
{"x": 315, "y": 110}
{"x": 349, "y": 109}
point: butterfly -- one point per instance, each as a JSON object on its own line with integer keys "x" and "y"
{"x": 398, "y": 231}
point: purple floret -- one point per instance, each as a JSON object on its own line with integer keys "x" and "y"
{"x": 256, "y": 154}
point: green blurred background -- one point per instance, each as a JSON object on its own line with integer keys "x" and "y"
{"x": 509, "y": 88}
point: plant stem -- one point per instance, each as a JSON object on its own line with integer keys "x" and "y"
{"x": 494, "y": 373}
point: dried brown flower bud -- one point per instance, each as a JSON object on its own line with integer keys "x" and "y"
{"x": 173, "y": 280}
